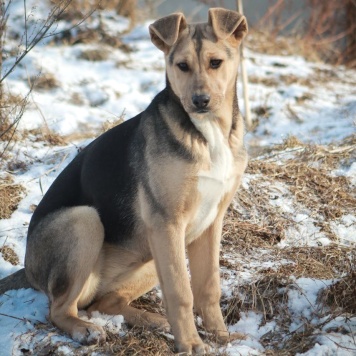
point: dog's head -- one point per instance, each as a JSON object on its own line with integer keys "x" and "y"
{"x": 201, "y": 59}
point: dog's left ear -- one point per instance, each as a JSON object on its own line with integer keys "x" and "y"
{"x": 165, "y": 31}
{"x": 228, "y": 24}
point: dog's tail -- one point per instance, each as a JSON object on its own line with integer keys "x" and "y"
{"x": 16, "y": 280}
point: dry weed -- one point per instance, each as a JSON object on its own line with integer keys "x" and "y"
{"x": 45, "y": 134}
{"x": 267, "y": 81}
{"x": 267, "y": 295}
{"x": 325, "y": 262}
{"x": 95, "y": 54}
{"x": 9, "y": 255}
{"x": 109, "y": 124}
{"x": 9, "y": 105}
{"x": 94, "y": 35}
{"x": 45, "y": 81}
{"x": 150, "y": 302}
{"x": 10, "y": 196}
{"x": 340, "y": 297}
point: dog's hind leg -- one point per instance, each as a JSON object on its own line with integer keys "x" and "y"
{"x": 63, "y": 260}
{"x": 132, "y": 285}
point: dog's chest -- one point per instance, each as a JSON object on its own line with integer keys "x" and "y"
{"x": 214, "y": 182}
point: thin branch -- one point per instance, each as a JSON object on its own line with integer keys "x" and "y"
{"x": 72, "y": 27}
{"x": 42, "y": 33}
{"x": 26, "y": 32}
{"x": 14, "y": 317}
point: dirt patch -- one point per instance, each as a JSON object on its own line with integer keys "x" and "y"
{"x": 10, "y": 196}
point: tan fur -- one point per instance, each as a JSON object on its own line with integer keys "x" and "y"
{"x": 192, "y": 195}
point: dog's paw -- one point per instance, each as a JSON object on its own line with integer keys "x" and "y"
{"x": 196, "y": 347}
{"x": 223, "y": 337}
{"x": 89, "y": 334}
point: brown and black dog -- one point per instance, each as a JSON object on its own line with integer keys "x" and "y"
{"x": 118, "y": 220}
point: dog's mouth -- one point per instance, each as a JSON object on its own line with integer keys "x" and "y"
{"x": 201, "y": 111}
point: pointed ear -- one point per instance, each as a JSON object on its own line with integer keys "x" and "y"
{"x": 165, "y": 31}
{"x": 228, "y": 24}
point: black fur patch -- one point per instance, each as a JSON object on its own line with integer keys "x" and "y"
{"x": 198, "y": 39}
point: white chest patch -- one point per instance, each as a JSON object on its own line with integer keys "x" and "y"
{"x": 215, "y": 182}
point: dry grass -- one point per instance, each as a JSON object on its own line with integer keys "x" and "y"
{"x": 135, "y": 341}
{"x": 44, "y": 134}
{"x": 9, "y": 255}
{"x": 109, "y": 124}
{"x": 10, "y": 196}
{"x": 327, "y": 262}
{"x": 95, "y": 54}
{"x": 47, "y": 81}
{"x": 340, "y": 297}
{"x": 308, "y": 176}
{"x": 268, "y": 291}
{"x": 94, "y": 35}
{"x": 9, "y": 105}
{"x": 268, "y": 42}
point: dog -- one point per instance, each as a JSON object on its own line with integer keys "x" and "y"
{"x": 119, "y": 218}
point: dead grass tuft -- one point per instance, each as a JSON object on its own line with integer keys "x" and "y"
{"x": 262, "y": 111}
{"x": 95, "y": 54}
{"x": 109, "y": 124}
{"x": 325, "y": 262}
{"x": 99, "y": 34}
{"x": 341, "y": 295}
{"x": 266, "y": 295}
{"x": 9, "y": 255}
{"x": 150, "y": 302}
{"x": 45, "y": 134}
{"x": 10, "y": 196}
{"x": 9, "y": 104}
{"x": 267, "y": 81}
{"x": 45, "y": 81}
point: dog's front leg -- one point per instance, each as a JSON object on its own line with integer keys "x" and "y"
{"x": 168, "y": 249}
{"x": 204, "y": 266}
{"x": 204, "y": 255}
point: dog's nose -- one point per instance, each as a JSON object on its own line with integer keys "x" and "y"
{"x": 201, "y": 101}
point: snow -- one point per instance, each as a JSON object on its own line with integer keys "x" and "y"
{"x": 89, "y": 93}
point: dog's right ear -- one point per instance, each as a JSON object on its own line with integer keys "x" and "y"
{"x": 165, "y": 31}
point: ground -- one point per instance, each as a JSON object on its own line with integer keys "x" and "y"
{"x": 288, "y": 249}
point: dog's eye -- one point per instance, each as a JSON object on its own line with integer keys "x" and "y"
{"x": 183, "y": 66}
{"x": 215, "y": 63}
